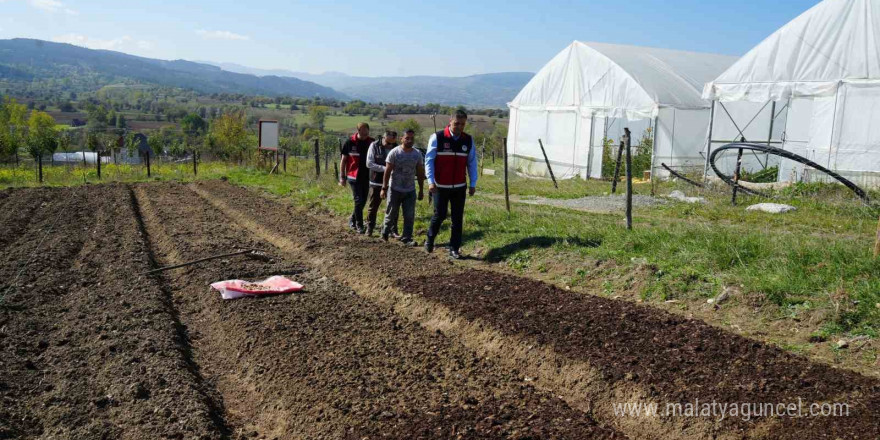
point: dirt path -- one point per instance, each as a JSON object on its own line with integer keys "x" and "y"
{"x": 328, "y": 363}
{"x": 88, "y": 347}
{"x": 591, "y": 351}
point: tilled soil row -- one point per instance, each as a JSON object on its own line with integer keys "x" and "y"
{"x": 88, "y": 347}
{"x": 327, "y": 363}
{"x": 591, "y": 350}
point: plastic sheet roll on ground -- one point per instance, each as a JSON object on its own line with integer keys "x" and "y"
{"x": 233, "y": 289}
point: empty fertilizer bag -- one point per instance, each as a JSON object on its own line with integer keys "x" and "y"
{"x": 275, "y": 285}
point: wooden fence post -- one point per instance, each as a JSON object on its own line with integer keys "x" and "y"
{"x": 629, "y": 180}
{"x": 40, "y": 166}
{"x": 195, "y": 169}
{"x": 98, "y": 156}
{"x": 506, "y": 187}
{"x": 285, "y": 161}
{"x": 317, "y": 160}
{"x": 739, "y": 157}
{"x": 877, "y": 243}
{"x": 547, "y": 161}
{"x": 482, "y": 155}
{"x": 149, "y": 172}
{"x": 617, "y": 168}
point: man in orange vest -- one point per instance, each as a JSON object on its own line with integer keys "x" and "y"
{"x": 356, "y": 174}
{"x": 450, "y": 160}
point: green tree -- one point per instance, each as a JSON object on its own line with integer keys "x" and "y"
{"x": 194, "y": 127}
{"x": 402, "y": 126}
{"x": 12, "y": 126}
{"x": 41, "y": 137}
{"x": 318, "y": 114}
{"x": 229, "y": 134}
{"x": 120, "y": 121}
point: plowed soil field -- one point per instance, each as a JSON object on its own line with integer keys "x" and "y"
{"x": 383, "y": 342}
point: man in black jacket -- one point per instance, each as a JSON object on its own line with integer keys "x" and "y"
{"x": 353, "y": 164}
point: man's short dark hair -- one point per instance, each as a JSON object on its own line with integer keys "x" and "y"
{"x": 409, "y": 130}
{"x": 460, "y": 114}
{"x": 390, "y": 133}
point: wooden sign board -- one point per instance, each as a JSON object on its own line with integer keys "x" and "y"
{"x": 268, "y": 134}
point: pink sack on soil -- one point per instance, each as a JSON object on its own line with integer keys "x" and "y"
{"x": 233, "y": 289}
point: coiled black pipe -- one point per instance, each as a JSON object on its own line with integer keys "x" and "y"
{"x": 785, "y": 155}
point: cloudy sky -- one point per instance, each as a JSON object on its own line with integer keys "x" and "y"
{"x": 392, "y": 37}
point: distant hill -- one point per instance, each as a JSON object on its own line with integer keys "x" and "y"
{"x": 487, "y": 90}
{"x": 27, "y": 59}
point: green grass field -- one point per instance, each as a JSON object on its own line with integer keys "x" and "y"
{"x": 343, "y": 123}
{"x": 814, "y": 264}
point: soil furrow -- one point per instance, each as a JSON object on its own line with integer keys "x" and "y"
{"x": 592, "y": 350}
{"x": 86, "y": 341}
{"x": 208, "y": 394}
{"x": 327, "y": 363}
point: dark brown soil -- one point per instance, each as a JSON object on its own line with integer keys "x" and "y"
{"x": 674, "y": 359}
{"x": 89, "y": 348}
{"x": 679, "y": 359}
{"x": 93, "y": 348}
{"x": 327, "y": 363}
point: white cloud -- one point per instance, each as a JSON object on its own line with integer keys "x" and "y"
{"x": 222, "y": 35}
{"x": 124, "y": 43}
{"x": 52, "y": 6}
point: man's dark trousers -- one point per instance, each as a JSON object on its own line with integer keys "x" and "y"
{"x": 373, "y": 210}
{"x": 443, "y": 198}
{"x": 360, "y": 189}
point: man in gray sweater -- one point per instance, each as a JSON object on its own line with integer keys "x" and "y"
{"x": 402, "y": 166}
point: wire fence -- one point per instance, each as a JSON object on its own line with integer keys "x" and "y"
{"x": 25, "y": 172}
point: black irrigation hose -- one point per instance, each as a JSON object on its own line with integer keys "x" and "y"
{"x": 785, "y": 155}
{"x": 671, "y": 171}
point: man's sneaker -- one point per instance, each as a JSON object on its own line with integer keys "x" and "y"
{"x": 409, "y": 242}
{"x": 394, "y": 234}
{"x": 385, "y": 236}
{"x": 369, "y": 232}
{"x": 454, "y": 254}
{"x": 429, "y": 245}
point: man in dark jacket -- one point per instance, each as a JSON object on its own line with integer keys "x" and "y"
{"x": 376, "y": 163}
{"x": 353, "y": 164}
{"x": 451, "y": 159}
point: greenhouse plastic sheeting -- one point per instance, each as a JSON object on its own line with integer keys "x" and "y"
{"x": 590, "y": 91}
{"x": 825, "y": 65}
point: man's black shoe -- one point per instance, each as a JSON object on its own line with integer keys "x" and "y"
{"x": 454, "y": 254}
{"x": 429, "y": 245}
{"x": 385, "y": 236}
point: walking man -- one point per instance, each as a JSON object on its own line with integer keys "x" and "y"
{"x": 376, "y": 163}
{"x": 354, "y": 164}
{"x": 403, "y": 165}
{"x": 450, "y": 159}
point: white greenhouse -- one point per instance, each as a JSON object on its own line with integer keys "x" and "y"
{"x": 591, "y": 91}
{"x": 812, "y": 88}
